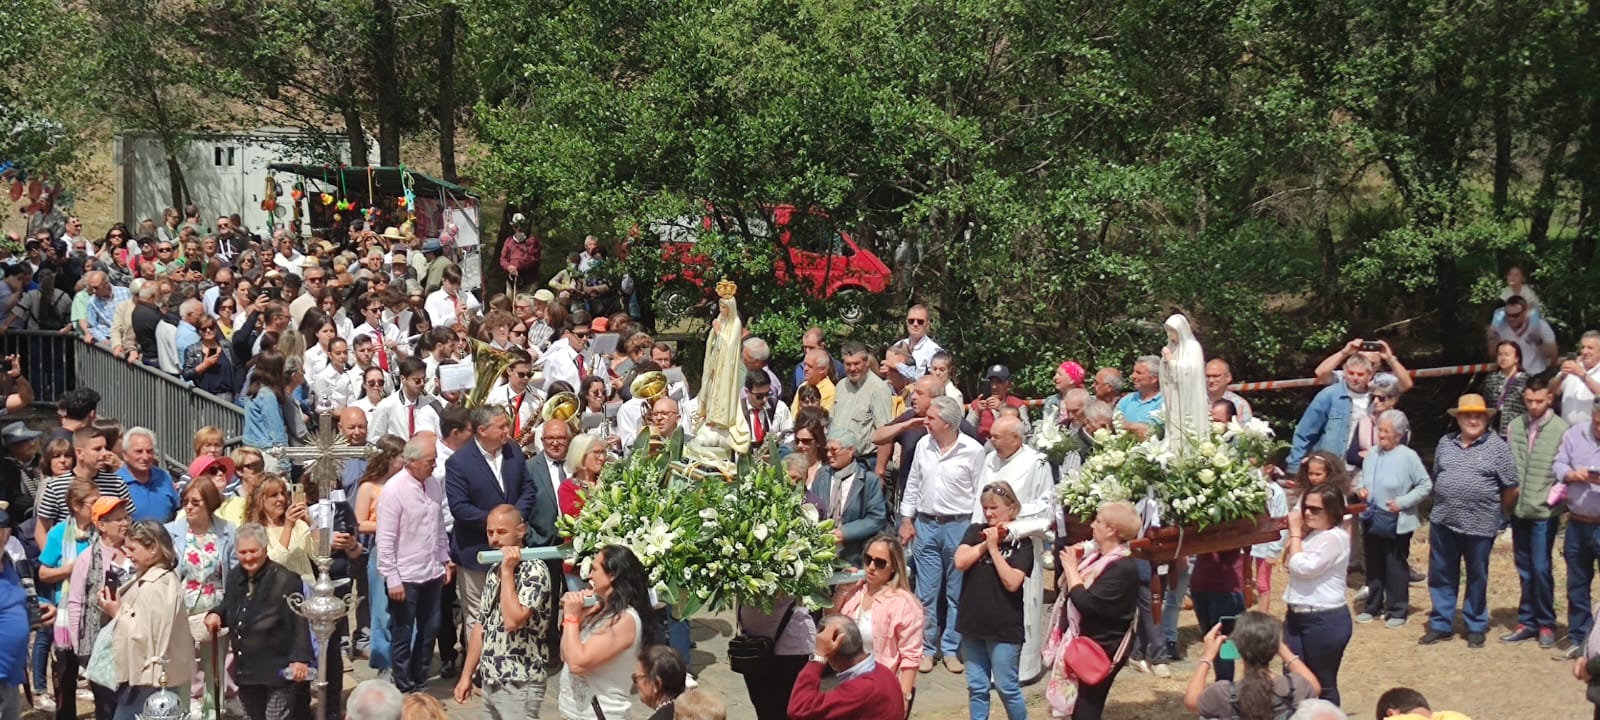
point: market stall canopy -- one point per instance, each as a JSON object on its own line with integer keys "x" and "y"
{"x": 385, "y": 180}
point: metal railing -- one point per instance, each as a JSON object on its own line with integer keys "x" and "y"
{"x": 47, "y": 360}
{"x": 135, "y": 394}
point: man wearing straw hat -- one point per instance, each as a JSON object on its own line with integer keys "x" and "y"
{"x": 1475, "y": 483}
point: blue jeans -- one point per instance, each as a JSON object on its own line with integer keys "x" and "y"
{"x": 412, "y": 626}
{"x": 934, "y": 557}
{"x": 1210, "y": 608}
{"x": 1172, "y": 602}
{"x": 1582, "y": 550}
{"x": 1448, "y": 550}
{"x": 42, "y": 639}
{"x": 989, "y": 657}
{"x": 1319, "y": 638}
{"x": 378, "y": 605}
{"x": 1533, "y": 545}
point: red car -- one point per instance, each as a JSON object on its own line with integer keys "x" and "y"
{"x": 825, "y": 259}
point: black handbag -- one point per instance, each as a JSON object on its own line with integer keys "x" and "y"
{"x": 1380, "y": 523}
{"x": 753, "y": 654}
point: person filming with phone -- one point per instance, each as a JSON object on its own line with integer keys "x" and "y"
{"x": 1259, "y": 693}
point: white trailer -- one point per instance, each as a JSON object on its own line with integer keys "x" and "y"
{"x": 225, "y": 173}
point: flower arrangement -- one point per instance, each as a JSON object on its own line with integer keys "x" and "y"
{"x": 1217, "y": 482}
{"x": 708, "y": 541}
{"x": 1054, "y": 441}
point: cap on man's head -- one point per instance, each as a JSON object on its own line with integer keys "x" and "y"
{"x": 432, "y": 245}
{"x": 17, "y": 433}
{"x": 544, "y": 296}
{"x": 600, "y": 324}
{"x": 998, "y": 372}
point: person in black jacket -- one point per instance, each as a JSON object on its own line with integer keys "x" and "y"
{"x": 1104, "y": 588}
{"x": 271, "y": 644}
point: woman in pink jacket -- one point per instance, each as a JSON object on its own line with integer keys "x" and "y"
{"x": 888, "y": 612}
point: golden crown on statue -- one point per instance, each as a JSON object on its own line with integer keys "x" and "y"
{"x": 726, "y": 289}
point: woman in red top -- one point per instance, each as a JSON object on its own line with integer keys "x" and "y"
{"x": 586, "y": 457}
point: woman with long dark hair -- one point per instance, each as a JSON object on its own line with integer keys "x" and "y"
{"x": 599, "y": 643}
{"x": 267, "y": 408}
{"x": 1259, "y": 693}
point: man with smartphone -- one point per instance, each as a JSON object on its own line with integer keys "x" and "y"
{"x": 1378, "y": 355}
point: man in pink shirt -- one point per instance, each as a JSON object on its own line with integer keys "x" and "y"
{"x": 413, "y": 560}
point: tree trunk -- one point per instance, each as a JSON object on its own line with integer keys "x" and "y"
{"x": 354, "y": 132}
{"x": 177, "y": 184}
{"x": 1544, "y": 202}
{"x": 385, "y": 76}
{"x": 1502, "y": 117}
{"x": 1588, "y": 156}
{"x": 447, "y": 92}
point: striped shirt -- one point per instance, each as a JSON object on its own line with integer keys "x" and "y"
{"x": 1468, "y": 482}
{"x": 52, "y": 506}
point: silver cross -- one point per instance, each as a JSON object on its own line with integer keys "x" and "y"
{"x": 325, "y": 456}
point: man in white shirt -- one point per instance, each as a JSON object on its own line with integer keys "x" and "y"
{"x": 564, "y": 362}
{"x": 387, "y": 338}
{"x": 941, "y": 493}
{"x": 288, "y": 259}
{"x": 634, "y": 411}
{"x": 765, "y": 414}
{"x": 1531, "y": 333}
{"x": 922, "y": 347}
{"x": 448, "y": 306}
{"x": 410, "y": 411}
{"x": 1580, "y": 381}
{"x": 519, "y": 397}
{"x": 224, "y": 283}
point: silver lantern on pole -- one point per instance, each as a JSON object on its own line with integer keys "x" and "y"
{"x": 323, "y": 460}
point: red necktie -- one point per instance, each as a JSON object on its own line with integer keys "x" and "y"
{"x": 383, "y": 356}
{"x": 582, "y": 373}
{"x": 759, "y": 432}
{"x": 516, "y": 419}
{"x": 413, "y": 413}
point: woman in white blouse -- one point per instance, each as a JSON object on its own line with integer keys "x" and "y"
{"x": 1317, "y": 626}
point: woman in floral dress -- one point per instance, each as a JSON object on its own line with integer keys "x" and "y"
{"x": 204, "y": 543}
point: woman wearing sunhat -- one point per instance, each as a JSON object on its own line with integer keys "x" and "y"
{"x": 1475, "y": 479}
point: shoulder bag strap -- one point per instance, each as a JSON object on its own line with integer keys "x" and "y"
{"x": 1122, "y": 650}
{"x": 594, "y": 702}
{"x": 784, "y": 624}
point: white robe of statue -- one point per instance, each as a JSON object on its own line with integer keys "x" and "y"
{"x": 1183, "y": 388}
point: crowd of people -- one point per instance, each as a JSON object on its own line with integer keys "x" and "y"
{"x": 147, "y": 578}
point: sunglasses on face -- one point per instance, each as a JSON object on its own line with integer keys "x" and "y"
{"x": 1313, "y": 509}
{"x": 374, "y": 383}
{"x": 582, "y": 334}
{"x": 522, "y": 374}
{"x": 253, "y": 466}
{"x": 881, "y": 563}
{"x": 761, "y": 395}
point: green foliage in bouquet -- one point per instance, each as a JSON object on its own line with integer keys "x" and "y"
{"x": 1217, "y": 482}
{"x": 710, "y": 542}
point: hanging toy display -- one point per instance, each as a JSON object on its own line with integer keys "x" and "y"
{"x": 298, "y": 192}
{"x": 269, "y": 195}
{"x": 327, "y": 199}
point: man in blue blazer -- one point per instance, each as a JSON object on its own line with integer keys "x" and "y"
{"x": 485, "y": 473}
{"x": 850, "y": 495}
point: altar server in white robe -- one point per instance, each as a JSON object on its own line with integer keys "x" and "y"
{"x": 1028, "y": 472}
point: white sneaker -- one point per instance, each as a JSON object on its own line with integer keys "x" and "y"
{"x": 1161, "y": 670}
{"x": 689, "y": 683}
{"x": 85, "y": 695}
{"x": 44, "y": 703}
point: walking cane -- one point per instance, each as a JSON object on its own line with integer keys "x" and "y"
{"x": 216, "y": 676}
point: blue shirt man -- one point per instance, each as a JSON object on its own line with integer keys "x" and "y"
{"x": 1141, "y": 406}
{"x": 1331, "y": 418}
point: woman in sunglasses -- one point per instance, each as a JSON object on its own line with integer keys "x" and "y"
{"x": 995, "y": 562}
{"x": 1384, "y": 391}
{"x": 205, "y": 552}
{"x": 1317, "y": 627}
{"x": 888, "y": 613}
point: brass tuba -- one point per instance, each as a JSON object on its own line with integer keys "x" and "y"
{"x": 649, "y": 386}
{"x": 562, "y": 406}
{"x": 488, "y": 364}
